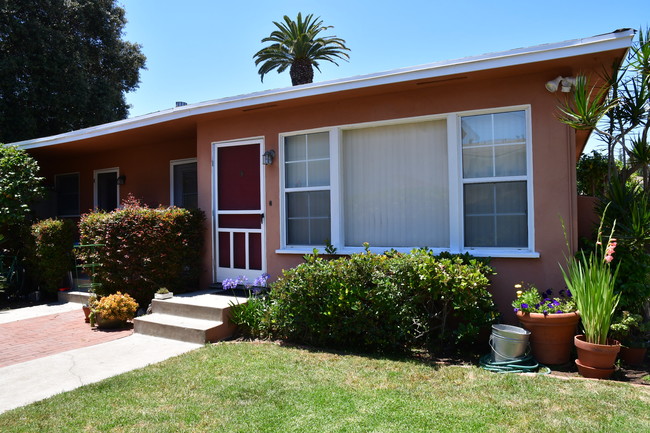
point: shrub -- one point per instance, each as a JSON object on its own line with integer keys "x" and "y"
{"x": 50, "y": 252}
{"x": 377, "y": 302}
{"x": 144, "y": 248}
{"x": 117, "y": 306}
{"x": 19, "y": 186}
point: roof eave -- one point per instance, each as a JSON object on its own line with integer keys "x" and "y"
{"x": 608, "y": 42}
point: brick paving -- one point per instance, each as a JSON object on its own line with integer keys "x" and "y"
{"x": 25, "y": 340}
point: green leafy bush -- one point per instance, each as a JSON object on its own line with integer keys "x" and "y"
{"x": 629, "y": 210}
{"x": 144, "y": 249}
{"x": 50, "y": 254}
{"x": 388, "y": 302}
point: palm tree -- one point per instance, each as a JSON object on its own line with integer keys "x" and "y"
{"x": 297, "y": 44}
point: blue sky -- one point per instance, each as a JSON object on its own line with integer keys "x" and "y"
{"x": 198, "y": 50}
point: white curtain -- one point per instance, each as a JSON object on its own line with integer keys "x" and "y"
{"x": 395, "y": 185}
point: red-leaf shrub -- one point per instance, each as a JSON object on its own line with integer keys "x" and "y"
{"x": 144, "y": 249}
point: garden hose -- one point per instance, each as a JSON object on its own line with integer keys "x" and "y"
{"x": 525, "y": 364}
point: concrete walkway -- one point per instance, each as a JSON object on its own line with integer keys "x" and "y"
{"x": 49, "y": 349}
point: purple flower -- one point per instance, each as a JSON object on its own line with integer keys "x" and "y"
{"x": 261, "y": 280}
{"x": 549, "y": 292}
{"x": 524, "y": 305}
{"x": 556, "y": 302}
{"x": 559, "y": 311}
{"x": 568, "y": 293}
{"x": 229, "y": 283}
{"x": 516, "y": 309}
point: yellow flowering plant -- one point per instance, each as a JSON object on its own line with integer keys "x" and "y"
{"x": 117, "y": 306}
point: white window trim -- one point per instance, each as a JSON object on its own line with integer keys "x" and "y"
{"x": 456, "y": 181}
{"x": 78, "y": 193}
{"x": 173, "y": 163}
{"x": 115, "y": 170}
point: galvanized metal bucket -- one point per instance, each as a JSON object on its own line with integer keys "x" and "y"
{"x": 508, "y": 342}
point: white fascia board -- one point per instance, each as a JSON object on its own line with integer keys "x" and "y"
{"x": 519, "y": 56}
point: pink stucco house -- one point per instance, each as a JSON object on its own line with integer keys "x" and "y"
{"x": 462, "y": 156}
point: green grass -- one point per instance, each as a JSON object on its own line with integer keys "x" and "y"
{"x": 249, "y": 387}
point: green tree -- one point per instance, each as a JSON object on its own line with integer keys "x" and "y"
{"x": 63, "y": 66}
{"x": 297, "y": 45}
{"x": 19, "y": 186}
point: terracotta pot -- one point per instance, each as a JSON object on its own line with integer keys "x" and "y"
{"x": 633, "y": 355}
{"x": 551, "y": 336}
{"x": 597, "y": 355}
{"x": 86, "y": 310}
{"x": 592, "y": 372}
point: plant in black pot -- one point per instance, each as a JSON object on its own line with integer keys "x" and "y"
{"x": 634, "y": 335}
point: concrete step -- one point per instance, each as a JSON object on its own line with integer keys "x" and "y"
{"x": 182, "y": 328}
{"x": 76, "y": 296}
{"x": 205, "y": 306}
{"x": 196, "y": 317}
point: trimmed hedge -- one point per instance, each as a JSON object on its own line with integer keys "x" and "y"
{"x": 390, "y": 302}
{"x": 50, "y": 254}
{"x": 144, "y": 249}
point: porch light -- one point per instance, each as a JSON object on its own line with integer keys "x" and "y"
{"x": 267, "y": 157}
{"x": 121, "y": 180}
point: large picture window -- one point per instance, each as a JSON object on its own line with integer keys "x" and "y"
{"x": 395, "y": 185}
{"x": 456, "y": 182}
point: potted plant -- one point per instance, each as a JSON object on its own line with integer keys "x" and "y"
{"x": 551, "y": 321}
{"x": 633, "y": 335}
{"x": 591, "y": 281}
{"x": 113, "y": 311}
{"x": 163, "y": 293}
{"x": 87, "y": 307}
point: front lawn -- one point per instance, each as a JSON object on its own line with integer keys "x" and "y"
{"x": 263, "y": 387}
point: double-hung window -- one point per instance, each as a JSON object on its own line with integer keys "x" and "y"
{"x": 455, "y": 182}
{"x": 67, "y": 194}
{"x": 184, "y": 185}
{"x": 495, "y": 198}
{"x": 307, "y": 189}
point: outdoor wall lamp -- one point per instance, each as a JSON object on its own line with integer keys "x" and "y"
{"x": 267, "y": 157}
{"x": 121, "y": 180}
{"x": 564, "y": 83}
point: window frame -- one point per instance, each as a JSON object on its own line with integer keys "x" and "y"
{"x": 456, "y": 185}
{"x": 96, "y": 173}
{"x": 56, "y": 187}
{"x": 528, "y": 178}
{"x": 174, "y": 163}
{"x": 333, "y": 174}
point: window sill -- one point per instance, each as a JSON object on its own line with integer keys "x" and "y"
{"x": 494, "y": 253}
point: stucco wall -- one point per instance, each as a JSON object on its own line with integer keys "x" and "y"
{"x": 553, "y": 159}
{"x": 145, "y": 160}
{"x": 146, "y": 168}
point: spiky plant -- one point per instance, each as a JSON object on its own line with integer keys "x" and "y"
{"x": 298, "y": 45}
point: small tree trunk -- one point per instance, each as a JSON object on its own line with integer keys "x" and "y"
{"x": 301, "y": 72}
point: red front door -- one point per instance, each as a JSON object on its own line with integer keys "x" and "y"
{"x": 239, "y": 219}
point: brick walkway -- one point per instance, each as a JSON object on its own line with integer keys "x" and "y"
{"x": 29, "y": 339}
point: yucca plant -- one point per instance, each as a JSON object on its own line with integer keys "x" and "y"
{"x": 591, "y": 282}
